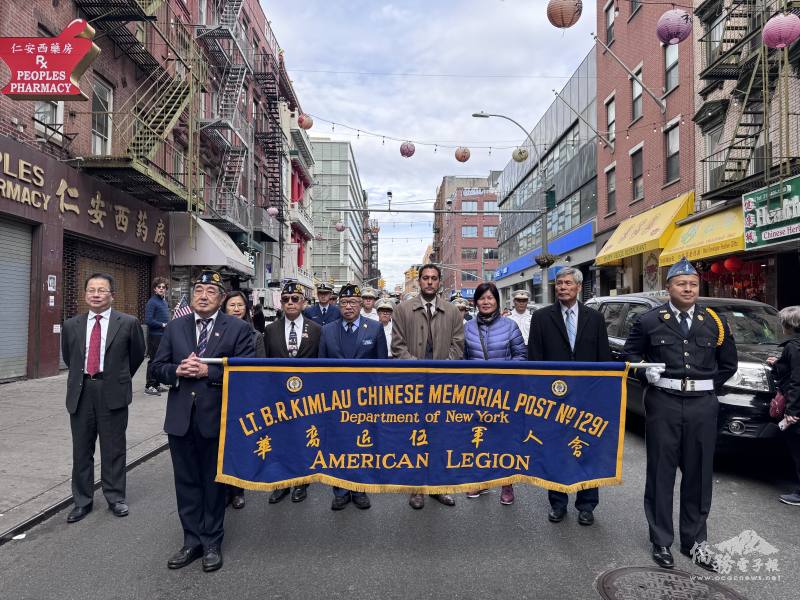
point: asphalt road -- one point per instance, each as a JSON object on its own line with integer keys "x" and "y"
{"x": 479, "y": 549}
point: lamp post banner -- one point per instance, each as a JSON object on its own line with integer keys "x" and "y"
{"x": 421, "y": 426}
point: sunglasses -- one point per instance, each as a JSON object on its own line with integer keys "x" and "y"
{"x": 292, "y": 299}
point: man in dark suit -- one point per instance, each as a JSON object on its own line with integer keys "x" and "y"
{"x": 193, "y": 414}
{"x": 292, "y": 336}
{"x": 352, "y": 337}
{"x": 697, "y": 348}
{"x": 326, "y": 311}
{"x": 569, "y": 331}
{"x": 103, "y": 349}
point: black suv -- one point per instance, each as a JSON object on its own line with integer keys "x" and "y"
{"x": 744, "y": 401}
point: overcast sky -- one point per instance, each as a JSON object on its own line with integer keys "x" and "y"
{"x": 417, "y": 70}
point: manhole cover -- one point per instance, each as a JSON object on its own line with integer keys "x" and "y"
{"x": 652, "y": 583}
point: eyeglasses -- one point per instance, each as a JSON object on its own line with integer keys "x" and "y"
{"x": 292, "y": 299}
{"x": 210, "y": 293}
{"x": 93, "y": 291}
{"x": 349, "y": 302}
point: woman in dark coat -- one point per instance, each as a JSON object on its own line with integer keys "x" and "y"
{"x": 786, "y": 371}
{"x": 492, "y": 337}
{"x": 236, "y": 305}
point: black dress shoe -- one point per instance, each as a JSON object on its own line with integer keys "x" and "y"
{"x": 662, "y": 556}
{"x": 702, "y": 557}
{"x": 339, "y": 502}
{"x": 120, "y": 509}
{"x": 586, "y": 517}
{"x": 556, "y": 515}
{"x": 445, "y": 499}
{"x": 212, "y": 559}
{"x": 278, "y": 495}
{"x": 299, "y": 493}
{"x": 361, "y": 501}
{"x": 237, "y": 501}
{"x": 77, "y": 513}
{"x": 184, "y": 556}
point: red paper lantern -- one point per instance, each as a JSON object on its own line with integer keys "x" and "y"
{"x": 781, "y": 31}
{"x": 733, "y": 264}
{"x": 272, "y": 211}
{"x": 305, "y": 121}
{"x": 407, "y": 149}
{"x": 717, "y": 268}
{"x": 674, "y": 26}
{"x": 462, "y": 154}
{"x": 564, "y": 13}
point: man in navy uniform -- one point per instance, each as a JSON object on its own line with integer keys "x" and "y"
{"x": 698, "y": 351}
{"x": 192, "y": 422}
{"x": 352, "y": 337}
{"x": 292, "y": 336}
{"x": 326, "y": 311}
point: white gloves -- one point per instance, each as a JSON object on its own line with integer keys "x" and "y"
{"x": 654, "y": 373}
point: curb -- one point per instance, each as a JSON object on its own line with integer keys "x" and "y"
{"x": 50, "y": 511}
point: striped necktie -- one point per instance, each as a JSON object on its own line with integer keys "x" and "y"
{"x": 202, "y": 341}
{"x": 570, "y": 323}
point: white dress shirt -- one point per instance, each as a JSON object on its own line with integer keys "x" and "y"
{"x": 523, "y": 320}
{"x": 298, "y": 328}
{"x": 677, "y": 314}
{"x": 90, "y": 322}
{"x": 199, "y": 326}
{"x": 373, "y": 314}
{"x": 387, "y": 330}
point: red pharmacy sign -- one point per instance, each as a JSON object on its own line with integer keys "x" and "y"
{"x": 49, "y": 68}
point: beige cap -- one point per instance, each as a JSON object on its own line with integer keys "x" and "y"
{"x": 521, "y": 295}
{"x": 385, "y": 303}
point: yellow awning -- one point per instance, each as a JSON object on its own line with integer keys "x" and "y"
{"x": 720, "y": 233}
{"x": 646, "y": 231}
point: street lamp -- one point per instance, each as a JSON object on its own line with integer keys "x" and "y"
{"x": 546, "y": 258}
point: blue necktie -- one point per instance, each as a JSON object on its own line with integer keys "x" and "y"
{"x": 202, "y": 341}
{"x": 570, "y": 322}
{"x": 685, "y": 323}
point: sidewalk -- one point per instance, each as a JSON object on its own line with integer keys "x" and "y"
{"x": 36, "y": 444}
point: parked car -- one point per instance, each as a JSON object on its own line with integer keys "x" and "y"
{"x": 744, "y": 401}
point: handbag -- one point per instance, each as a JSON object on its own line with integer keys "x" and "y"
{"x": 777, "y": 405}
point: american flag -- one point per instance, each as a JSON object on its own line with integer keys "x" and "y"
{"x": 182, "y": 309}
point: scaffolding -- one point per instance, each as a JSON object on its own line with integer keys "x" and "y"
{"x": 747, "y": 91}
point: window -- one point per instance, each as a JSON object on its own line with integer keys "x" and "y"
{"x": 671, "y": 71}
{"x": 635, "y": 5}
{"x": 610, "y": 14}
{"x": 488, "y": 275}
{"x": 631, "y": 317}
{"x": 178, "y": 164}
{"x": 715, "y": 31}
{"x": 636, "y": 95}
{"x": 611, "y": 190}
{"x": 469, "y": 254}
{"x": 469, "y": 275}
{"x": 49, "y": 119}
{"x": 637, "y": 179}
{"x": 102, "y": 105}
{"x": 469, "y": 231}
{"x": 712, "y": 167}
{"x": 201, "y": 12}
{"x": 489, "y": 206}
{"x": 490, "y": 254}
{"x": 490, "y": 231}
{"x": 469, "y": 207}
{"x": 612, "y": 313}
{"x": 673, "y": 147}
{"x": 611, "y": 119}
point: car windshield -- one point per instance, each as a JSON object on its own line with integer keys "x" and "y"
{"x": 752, "y": 324}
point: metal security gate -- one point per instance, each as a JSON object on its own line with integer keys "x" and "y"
{"x": 15, "y": 272}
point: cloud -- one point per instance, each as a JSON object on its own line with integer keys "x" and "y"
{"x": 330, "y": 45}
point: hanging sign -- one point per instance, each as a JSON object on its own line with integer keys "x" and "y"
{"x": 45, "y": 68}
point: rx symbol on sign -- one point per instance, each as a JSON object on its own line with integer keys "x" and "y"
{"x": 41, "y": 62}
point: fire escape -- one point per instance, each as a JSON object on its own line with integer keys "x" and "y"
{"x": 226, "y": 130}
{"x": 143, "y": 160}
{"x": 733, "y": 51}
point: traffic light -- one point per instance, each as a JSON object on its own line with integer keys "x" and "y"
{"x": 381, "y": 283}
{"x": 550, "y": 199}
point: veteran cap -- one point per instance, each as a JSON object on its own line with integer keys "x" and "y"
{"x": 292, "y": 287}
{"x": 349, "y": 290}
{"x": 521, "y": 295}
{"x": 682, "y": 267}
{"x": 368, "y": 292}
{"x": 210, "y": 277}
{"x": 385, "y": 304}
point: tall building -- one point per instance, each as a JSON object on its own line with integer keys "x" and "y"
{"x": 444, "y": 192}
{"x": 646, "y": 174}
{"x": 338, "y": 256}
{"x": 469, "y": 240}
{"x": 563, "y": 163}
{"x": 747, "y": 138}
{"x": 372, "y": 274}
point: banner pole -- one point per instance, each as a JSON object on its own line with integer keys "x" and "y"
{"x": 642, "y": 365}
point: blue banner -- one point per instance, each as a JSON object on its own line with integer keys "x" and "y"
{"x": 421, "y": 426}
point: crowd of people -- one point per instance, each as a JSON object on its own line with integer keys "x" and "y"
{"x": 104, "y": 348}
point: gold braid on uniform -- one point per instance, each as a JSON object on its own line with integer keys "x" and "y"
{"x": 720, "y": 328}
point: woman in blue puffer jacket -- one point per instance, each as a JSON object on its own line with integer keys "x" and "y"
{"x": 492, "y": 337}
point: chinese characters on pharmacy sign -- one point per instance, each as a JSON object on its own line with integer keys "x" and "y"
{"x": 772, "y": 214}
{"x": 46, "y": 68}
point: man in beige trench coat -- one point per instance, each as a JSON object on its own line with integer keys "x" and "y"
{"x": 428, "y": 328}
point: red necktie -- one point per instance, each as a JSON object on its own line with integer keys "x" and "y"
{"x": 93, "y": 360}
